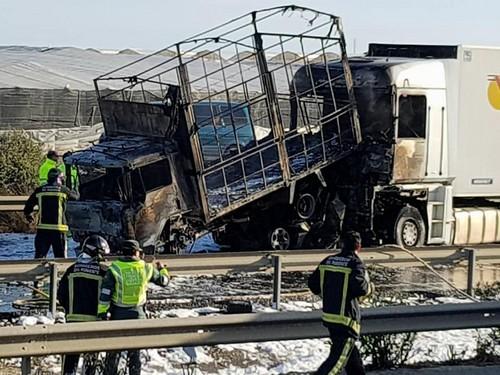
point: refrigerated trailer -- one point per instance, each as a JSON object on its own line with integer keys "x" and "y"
{"x": 430, "y": 119}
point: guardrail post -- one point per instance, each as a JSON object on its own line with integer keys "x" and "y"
{"x": 26, "y": 366}
{"x": 471, "y": 266}
{"x": 276, "y": 261}
{"x": 53, "y": 289}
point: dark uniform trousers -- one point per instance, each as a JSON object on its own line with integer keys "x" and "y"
{"x": 343, "y": 355}
{"x": 134, "y": 356}
{"x": 45, "y": 238}
{"x": 70, "y": 363}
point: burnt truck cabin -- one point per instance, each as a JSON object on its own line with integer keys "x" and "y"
{"x": 243, "y": 149}
{"x": 393, "y": 185}
{"x": 121, "y": 181}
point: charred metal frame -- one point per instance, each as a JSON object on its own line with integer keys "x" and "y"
{"x": 253, "y": 80}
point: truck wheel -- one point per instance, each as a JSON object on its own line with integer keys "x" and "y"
{"x": 409, "y": 229}
{"x": 280, "y": 238}
{"x": 305, "y": 206}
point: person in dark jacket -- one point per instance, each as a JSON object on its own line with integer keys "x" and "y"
{"x": 79, "y": 291}
{"x": 123, "y": 295}
{"x": 51, "y": 227}
{"x": 341, "y": 280}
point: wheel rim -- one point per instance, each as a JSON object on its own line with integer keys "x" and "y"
{"x": 280, "y": 239}
{"x": 410, "y": 233}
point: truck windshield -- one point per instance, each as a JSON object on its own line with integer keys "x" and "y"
{"x": 375, "y": 112}
{"x": 97, "y": 183}
{"x": 150, "y": 177}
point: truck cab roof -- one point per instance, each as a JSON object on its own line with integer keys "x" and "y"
{"x": 120, "y": 152}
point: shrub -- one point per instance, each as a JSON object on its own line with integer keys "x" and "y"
{"x": 386, "y": 351}
{"x": 488, "y": 345}
{"x": 20, "y": 158}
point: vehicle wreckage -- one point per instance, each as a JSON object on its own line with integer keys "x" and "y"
{"x": 230, "y": 132}
{"x": 210, "y": 134}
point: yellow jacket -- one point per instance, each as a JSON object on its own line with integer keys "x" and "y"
{"x": 44, "y": 169}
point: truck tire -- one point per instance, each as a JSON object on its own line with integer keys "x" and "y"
{"x": 409, "y": 228}
{"x": 305, "y": 206}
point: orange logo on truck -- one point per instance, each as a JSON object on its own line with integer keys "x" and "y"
{"x": 494, "y": 91}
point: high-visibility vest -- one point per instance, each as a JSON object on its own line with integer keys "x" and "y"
{"x": 44, "y": 169}
{"x": 51, "y": 208}
{"x": 131, "y": 282}
{"x": 74, "y": 178}
{"x": 336, "y": 279}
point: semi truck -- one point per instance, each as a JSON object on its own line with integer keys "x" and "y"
{"x": 432, "y": 116}
{"x": 274, "y": 139}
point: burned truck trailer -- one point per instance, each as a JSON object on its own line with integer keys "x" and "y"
{"x": 211, "y": 134}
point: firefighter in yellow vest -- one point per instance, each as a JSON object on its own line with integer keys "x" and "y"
{"x": 341, "y": 279}
{"x": 51, "y": 227}
{"x": 123, "y": 295}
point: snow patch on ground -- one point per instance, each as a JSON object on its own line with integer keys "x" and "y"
{"x": 277, "y": 357}
{"x": 443, "y": 346}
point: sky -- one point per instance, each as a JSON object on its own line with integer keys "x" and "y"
{"x": 154, "y": 24}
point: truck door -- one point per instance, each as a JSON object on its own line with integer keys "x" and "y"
{"x": 420, "y": 134}
{"x": 421, "y": 154}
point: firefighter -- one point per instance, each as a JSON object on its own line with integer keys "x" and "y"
{"x": 123, "y": 295}
{"x": 341, "y": 279}
{"x": 79, "y": 291}
{"x": 53, "y": 160}
{"x": 51, "y": 201}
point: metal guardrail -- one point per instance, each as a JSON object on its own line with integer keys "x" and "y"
{"x": 228, "y": 329}
{"x": 12, "y": 202}
{"x": 292, "y": 260}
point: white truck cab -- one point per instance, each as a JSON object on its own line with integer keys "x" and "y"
{"x": 446, "y": 111}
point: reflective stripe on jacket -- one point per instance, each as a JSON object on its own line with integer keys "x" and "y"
{"x": 51, "y": 208}
{"x": 79, "y": 290}
{"x": 340, "y": 280}
{"x": 51, "y": 201}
